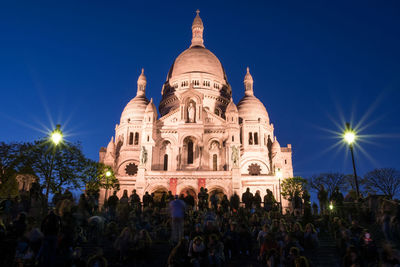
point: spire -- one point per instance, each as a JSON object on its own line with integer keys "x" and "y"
{"x": 248, "y": 83}
{"x": 141, "y": 84}
{"x": 197, "y": 31}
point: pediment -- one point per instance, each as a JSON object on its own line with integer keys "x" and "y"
{"x": 210, "y": 118}
{"x": 191, "y": 93}
{"x": 171, "y": 118}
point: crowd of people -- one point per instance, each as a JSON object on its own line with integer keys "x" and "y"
{"x": 167, "y": 230}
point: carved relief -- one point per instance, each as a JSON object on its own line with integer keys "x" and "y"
{"x": 254, "y": 169}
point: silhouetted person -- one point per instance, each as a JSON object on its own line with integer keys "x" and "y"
{"x": 68, "y": 195}
{"x": 135, "y": 200}
{"x": 235, "y": 201}
{"x": 201, "y": 196}
{"x": 269, "y": 200}
{"x": 214, "y": 201}
{"x": 189, "y": 200}
{"x": 147, "y": 200}
{"x": 163, "y": 201}
{"x": 247, "y": 198}
{"x": 50, "y": 227}
{"x": 257, "y": 200}
{"x": 112, "y": 203}
{"x": 337, "y": 198}
{"x": 225, "y": 203}
{"x": 323, "y": 198}
{"x": 177, "y": 210}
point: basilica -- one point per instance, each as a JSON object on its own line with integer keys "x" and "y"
{"x": 198, "y": 137}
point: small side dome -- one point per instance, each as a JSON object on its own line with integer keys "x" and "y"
{"x": 151, "y": 107}
{"x": 251, "y": 108}
{"x": 276, "y": 147}
{"x": 231, "y": 108}
{"x": 135, "y": 109}
{"x": 111, "y": 146}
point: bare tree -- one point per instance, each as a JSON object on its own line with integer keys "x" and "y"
{"x": 330, "y": 181}
{"x": 385, "y": 181}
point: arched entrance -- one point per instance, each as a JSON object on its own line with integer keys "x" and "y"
{"x": 219, "y": 192}
{"x": 189, "y": 191}
{"x": 158, "y": 192}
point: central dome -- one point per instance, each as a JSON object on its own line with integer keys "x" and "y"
{"x": 197, "y": 59}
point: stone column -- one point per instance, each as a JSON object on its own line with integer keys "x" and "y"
{"x": 140, "y": 180}
{"x": 236, "y": 183}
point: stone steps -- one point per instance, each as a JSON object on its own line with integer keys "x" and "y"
{"x": 326, "y": 254}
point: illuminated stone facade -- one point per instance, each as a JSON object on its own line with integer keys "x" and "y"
{"x": 201, "y": 138}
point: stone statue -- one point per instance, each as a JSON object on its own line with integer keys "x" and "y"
{"x": 191, "y": 112}
{"x": 143, "y": 155}
{"x": 235, "y": 156}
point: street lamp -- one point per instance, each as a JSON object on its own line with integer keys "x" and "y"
{"x": 279, "y": 175}
{"x": 56, "y": 137}
{"x": 108, "y": 175}
{"x": 350, "y": 137}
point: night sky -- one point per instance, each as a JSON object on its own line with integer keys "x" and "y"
{"x": 315, "y": 65}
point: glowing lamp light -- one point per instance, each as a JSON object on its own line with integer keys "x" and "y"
{"x": 331, "y": 206}
{"x": 349, "y": 137}
{"x": 56, "y": 135}
{"x": 279, "y": 174}
{"x": 108, "y": 173}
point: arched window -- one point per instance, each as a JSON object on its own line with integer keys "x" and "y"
{"x": 233, "y": 138}
{"x": 131, "y": 138}
{"x": 250, "y": 138}
{"x": 241, "y": 137}
{"x": 136, "y": 138}
{"x": 166, "y": 162}
{"x": 190, "y": 152}
{"x": 215, "y": 162}
{"x": 256, "y": 138}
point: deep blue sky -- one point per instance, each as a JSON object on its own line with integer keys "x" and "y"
{"x": 315, "y": 64}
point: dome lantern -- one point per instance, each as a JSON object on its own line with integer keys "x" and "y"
{"x": 197, "y": 31}
{"x": 141, "y": 84}
{"x": 248, "y": 83}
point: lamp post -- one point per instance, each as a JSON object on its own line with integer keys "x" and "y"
{"x": 349, "y": 137}
{"x": 56, "y": 137}
{"x": 278, "y": 174}
{"x": 108, "y": 174}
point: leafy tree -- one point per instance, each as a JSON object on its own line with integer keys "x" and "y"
{"x": 330, "y": 181}
{"x": 96, "y": 177}
{"x": 11, "y": 164}
{"x": 56, "y": 166}
{"x": 384, "y": 180}
{"x": 291, "y": 187}
{"x": 9, "y": 159}
{"x": 9, "y": 186}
